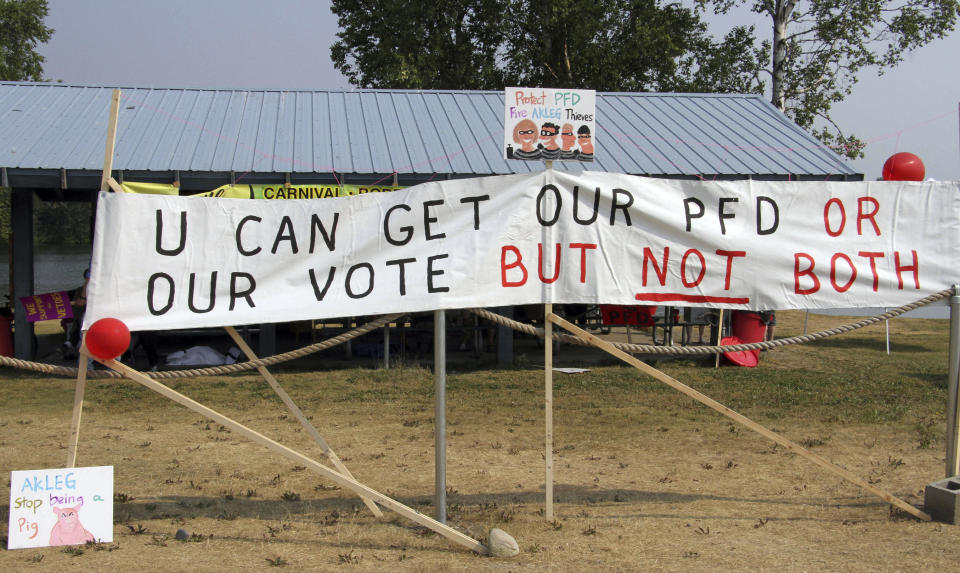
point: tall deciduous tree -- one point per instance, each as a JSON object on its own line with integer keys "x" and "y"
{"x": 820, "y": 46}
{"x": 419, "y": 45}
{"x": 21, "y": 31}
{"x": 607, "y": 45}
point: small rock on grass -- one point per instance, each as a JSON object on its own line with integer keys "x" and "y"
{"x": 501, "y": 544}
{"x": 182, "y": 535}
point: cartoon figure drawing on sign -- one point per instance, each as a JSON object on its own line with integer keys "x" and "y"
{"x": 525, "y": 135}
{"x": 548, "y": 138}
{"x": 68, "y": 530}
{"x": 586, "y": 143}
{"x": 568, "y": 140}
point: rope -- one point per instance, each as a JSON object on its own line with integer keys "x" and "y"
{"x": 213, "y": 370}
{"x": 499, "y": 319}
{"x": 695, "y": 350}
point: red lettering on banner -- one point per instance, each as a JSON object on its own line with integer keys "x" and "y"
{"x": 873, "y": 266}
{"x": 867, "y": 209}
{"x": 583, "y": 257}
{"x": 808, "y": 272}
{"x": 661, "y": 271}
{"x": 683, "y": 268}
{"x": 862, "y": 215}
{"x": 504, "y": 267}
{"x": 517, "y": 263}
{"x": 833, "y": 272}
{"x": 556, "y": 264}
{"x": 730, "y": 255}
{"x": 826, "y": 217}
{"x": 915, "y": 267}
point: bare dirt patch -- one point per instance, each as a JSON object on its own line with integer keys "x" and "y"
{"x": 646, "y": 479}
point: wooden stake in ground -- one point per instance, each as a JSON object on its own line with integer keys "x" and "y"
{"x": 288, "y": 401}
{"x": 111, "y": 139}
{"x": 82, "y": 357}
{"x": 336, "y": 477}
{"x": 707, "y": 401}
{"x": 548, "y": 410}
{"x": 77, "y": 408}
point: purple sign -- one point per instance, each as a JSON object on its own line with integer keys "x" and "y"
{"x": 48, "y": 306}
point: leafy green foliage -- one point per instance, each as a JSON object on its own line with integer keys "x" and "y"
{"x": 820, "y": 46}
{"x": 21, "y": 31}
{"x": 607, "y": 45}
{"x": 56, "y": 223}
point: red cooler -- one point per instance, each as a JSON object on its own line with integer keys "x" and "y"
{"x": 749, "y": 327}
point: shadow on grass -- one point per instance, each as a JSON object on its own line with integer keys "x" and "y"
{"x": 861, "y": 342}
{"x": 472, "y": 507}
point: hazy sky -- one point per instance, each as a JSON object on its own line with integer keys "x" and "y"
{"x": 285, "y": 44}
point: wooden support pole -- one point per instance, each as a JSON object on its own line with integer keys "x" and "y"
{"x": 111, "y": 139}
{"x": 743, "y": 420}
{"x": 440, "y": 415}
{"x": 953, "y": 388}
{"x": 288, "y": 401}
{"x": 114, "y": 186}
{"x": 334, "y": 476}
{"x": 716, "y": 362}
{"x": 77, "y": 408}
{"x": 548, "y": 409}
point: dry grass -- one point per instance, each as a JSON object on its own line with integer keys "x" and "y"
{"x": 645, "y": 479}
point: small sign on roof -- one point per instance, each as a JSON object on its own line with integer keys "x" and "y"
{"x": 549, "y": 124}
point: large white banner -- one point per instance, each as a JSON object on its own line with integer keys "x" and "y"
{"x": 175, "y": 262}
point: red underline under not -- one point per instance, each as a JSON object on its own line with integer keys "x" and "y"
{"x": 678, "y": 297}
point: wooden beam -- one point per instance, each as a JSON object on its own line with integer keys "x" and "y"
{"x": 77, "y": 407}
{"x": 334, "y": 476}
{"x": 288, "y": 401}
{"x": 111, "y": 139}
{"x": 548, "y": 410}
{"x": 743, "y": 420}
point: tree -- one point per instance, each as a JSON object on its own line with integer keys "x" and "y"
{"x": 621, "y": 45}
{"x": 607, "y": 45}
{"x": 21, "y": 31}
{"x": 820, "y": 46}
{"x": 418, "y": 45}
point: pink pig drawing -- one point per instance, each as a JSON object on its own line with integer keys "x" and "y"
{"x": 68, "y": 530}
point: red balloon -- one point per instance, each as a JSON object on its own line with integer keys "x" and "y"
{"x": 903, "y": 166}
{"x": 107, "y": 338}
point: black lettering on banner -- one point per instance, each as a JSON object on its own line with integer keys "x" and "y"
{"x": 183, "y": 235}
{"x": 240, "y": 225}
{"x": 213, "y": 293}
{"x": 317, "y": 291}
{"x": 556, "y": 211}
{"x": 576, "y": 206}
{"x": 432, "y": 273}
{"x": 476, "y": 208}
{"x": 722, "y": 213}
{"x": 427, "y": 219}
{"x": 386, "y": 227}
{"x": 151, "y": 290}
{"x": 622, "y": 207}
{"x": 776, "y": 216}
{"x": 401, "y": 263}
{"x": 690, "y": 215}
{"x": 350, "y": 272}
{"x": 244, "y": 294}
{"x": 285, "y": 233}
{"x": 330, "y": 239}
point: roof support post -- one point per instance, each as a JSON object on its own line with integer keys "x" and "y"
{"x": 21, "y": 222}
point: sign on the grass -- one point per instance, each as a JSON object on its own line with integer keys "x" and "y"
{"x": 171, "y": 262}
{"x": 69, "y": 506}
